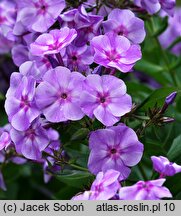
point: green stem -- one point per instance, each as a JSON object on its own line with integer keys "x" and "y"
{"x": 78, "y": 167}
{"x": 165, "y": 58}
{"x": 142, "y": 172}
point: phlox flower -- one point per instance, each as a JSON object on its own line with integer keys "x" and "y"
{"x": 104, "y": 187}
{"x": 114, "y": 51}
{"x": 115, "y": 148}
{"x": 78, "y": 58}
{"x": 105, "y": 98}
{"x": 20, "y": 105}
{"x": 38, "y": 15}
{"x": 86, "y": 24}
{"x": 172, "y": 32}
{"x": 53, "y": 42}
{"x": 31, "y": 142}
{"x": 149, "y": 190}
{"x": 153, "y": 6}
{"x": 125, "y": 23}
{"x": 163, "y": 166}
{"x": 58, "y": 95}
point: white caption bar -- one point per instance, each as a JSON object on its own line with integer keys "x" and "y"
{"x": 93, "y": 208}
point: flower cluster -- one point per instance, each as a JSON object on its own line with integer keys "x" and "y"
{"x": 153, "y": 6}
{"x": 71, "y": 65}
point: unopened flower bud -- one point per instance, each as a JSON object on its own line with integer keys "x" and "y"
{"x": 167, "y": 119}
{"x": 170, "y": 98}
{"x": 168, "y": 101}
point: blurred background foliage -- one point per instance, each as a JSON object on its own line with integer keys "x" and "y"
{"x": 26, "y": 181}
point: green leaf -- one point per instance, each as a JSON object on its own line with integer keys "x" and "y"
{"x": 175, "y": 150}
{"x": 152, "y": 69}
{"x": 149, "y": 67}
{"x": 80, "y": 134}
{"x": 157, "y": 25}
{"x": 74, "y": 178}
{"x": 79, "y": 153}
{"x": 158, "y": 96}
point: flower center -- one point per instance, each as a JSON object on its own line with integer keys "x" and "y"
{"x": 102, "y": 99}
{"x": 64, "y": 95}
{"x": 2, "y": 19}
{"x": 121, "y": 30}
{"x": 112, "y": 55}
{"x": 25, "y": 103}
{"x": 43, "y": 7}
{"x": 74, "y": 58}
{"x": 113, "y": 151}
{"x": 30, "y": 133}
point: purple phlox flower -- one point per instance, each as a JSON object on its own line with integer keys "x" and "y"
{"x": 115, "y": 148}
{"x": 5, "y": 44}
{"x": 7, "y": 13}
{"x": 114, "y": 51}
{"x": 67, "y": 19}
{"x": 29, "y": 68}
{"x": 83, "y": 196}
{"x": 38, "y": 15}
{"x": 54, "y": 168}
{"x": 84, "y": 19}
{"x": 5, "y": 139}
{"x": 20, "y": 54}
{"x": 149, "y": 190}
{"x": 20, "y": 105}
{"x": 163, "y": 166}
{"x": 172, "y": 32}
{"x": 78, "y": 58}
{"x": 7, "y": 21}
{"x": 86, "y": 24}
{"x": 153, "y": 6}
{"x": 34, "y": 140}
{"x": 7, "y": 145}
{"x": 104, "y": 10}
{"x": 20, "y": 51}
{"x": 168, "y": 6}
{"x": 105, "y": 98}
{"x": 125, "y": 23}
{"x": 104, "y": 187}
{"x": 53, "y": 42}
{"x": 98, "y": 70}
{"x": 18, "y": 160}
{"x": 58, "y": 96}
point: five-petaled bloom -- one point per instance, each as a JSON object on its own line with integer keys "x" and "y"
{"x": 34, "y": 140}
{"x": 125, "y": 23}
{"x": 78, "y": 58}
{"x": 105, "y": 98}
{"x": 104, "y": 187}
{"x": 53, "y": 42}
{"x": 163, "y": 166}
{"x": 153, "y": 6}
{"x": 149, "y": 190}
{"x": 115, "y": 148}
{"x": 20, "y": 104}
{"x": 58, "y": 95}
{"x": 38, "y": 15}
{"x": 114, "y": 51}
